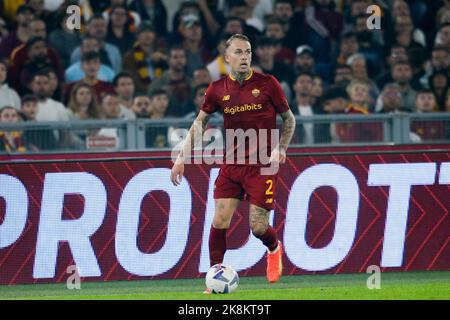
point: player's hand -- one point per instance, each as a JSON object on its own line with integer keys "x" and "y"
{"x": 278, "y": 156}
{"x": 176, "y": 175}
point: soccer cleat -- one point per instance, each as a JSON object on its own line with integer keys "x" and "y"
{"x": 274, "y": 264}
{"x": 207, "y": 291}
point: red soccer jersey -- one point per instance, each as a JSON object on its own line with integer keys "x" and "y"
{"x": 252, "y": 105}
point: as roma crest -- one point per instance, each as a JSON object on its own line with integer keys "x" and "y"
{"x": 255, "y": 92}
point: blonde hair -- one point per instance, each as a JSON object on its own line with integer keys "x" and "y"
{"x": 356, "y": 82}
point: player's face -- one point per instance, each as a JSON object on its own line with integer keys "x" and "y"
{"x": 239, "y": 56}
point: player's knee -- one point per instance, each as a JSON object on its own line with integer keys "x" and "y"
{"x": 221, "y": 222}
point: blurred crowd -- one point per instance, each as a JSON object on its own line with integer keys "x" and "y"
{"x": 132, "y": 59}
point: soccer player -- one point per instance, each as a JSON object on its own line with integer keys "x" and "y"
{"x": 249, "y": 100}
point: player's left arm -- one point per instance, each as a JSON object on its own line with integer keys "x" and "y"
{"x": 287, "y": 132}
{"x": 287, "y": 129}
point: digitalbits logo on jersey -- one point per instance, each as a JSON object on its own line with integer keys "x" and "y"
{"x": 222, "y": 279}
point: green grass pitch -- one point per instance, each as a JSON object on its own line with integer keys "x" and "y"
{"x": 394, "y": 285}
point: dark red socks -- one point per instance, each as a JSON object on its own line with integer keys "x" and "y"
{"x": 269, "y": 238}
{"x": 217, "y": 245}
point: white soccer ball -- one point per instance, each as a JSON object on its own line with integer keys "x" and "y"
{"x": 222, "y": 279}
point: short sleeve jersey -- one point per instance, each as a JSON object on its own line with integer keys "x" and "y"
{"x": 252, "y": 105}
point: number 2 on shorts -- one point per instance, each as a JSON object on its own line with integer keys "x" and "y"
{"x": 269, "y": 190}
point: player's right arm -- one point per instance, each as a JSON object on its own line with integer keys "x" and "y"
{"x": 195, "y": 132}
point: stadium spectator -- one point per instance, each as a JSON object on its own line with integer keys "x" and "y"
{"x": 119, "y": 33}
{"x": 359, "y": 71}
{"x": 90, "y": 65}
{"x": 109, "y": 53}
{"x": 426, "y": 101}
{"x": 427, "y": 130}
{"x": 39, "y": 9}
{"x": 307, "y": 133}
{"x": 194, "y": 104}
{"x": 252, "y": 27}
{"x": 8, "y": 96}
{"x": 48, "y": 109}
{"x": 317, "y": 89}
{"x": 159, "y": 104}
{"x": 133, "y": 18}
{"x": 201, "y": 76}
{"x": 417, "y": 59}
{"x": 112, "y": 110}
{"x": 157, "y": 137}
{"x": 83, "y": 103}
{"x": 75, "y": 72}
{"x": 241, "y": 9}
{"x": 64, "y": 40}
{"x": 55, "y": 86}
{"x": 406, "y": 34}
{"x": 274, "y": 30}
{"x": 22, "y": 33}
{"x": 39, "y": 58}
{"x": 233, "y": 25}
{"x": 197, "y": 53}
{"x": 304, "y": 60}
{"x": 284, "y": 12}
{"x": 174, "y": 81}
{"x": 40, "y": 139}
{"x": 402, "y": 75}
{"x": 141, "y": 106}
{"x": 125, "y": 89}
{"x": 20, "y": 56}
{"x": 153, "y": 12}
{"x": 323, "y": 25}
{"x": 219, "y": 67}
{"x": 38, "y": 28}
{"x": 208, "y": 21}
{"x": 398, "y": 53}
{"x": 390, "y": 100}
{"x": 265, "y": 54}
{"x": 440, "y": 60}
{"x": 11, "y": 141}
{"x": 439, "y": 82}
{"x": 443, "y": 36}
{"x": 348, "y": 46}
{"x": 147, "y": 59}
{"x": 358, "y": 92}
{"x": 342, "y": 75}
{"x": 336, "y": 101}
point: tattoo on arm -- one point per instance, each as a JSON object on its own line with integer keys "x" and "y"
{"x": 287, "y": 130}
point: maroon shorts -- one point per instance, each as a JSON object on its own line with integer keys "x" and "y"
{"x": 246, "y": 183}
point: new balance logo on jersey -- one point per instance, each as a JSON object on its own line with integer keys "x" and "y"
{"x": 226, "y": 98}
